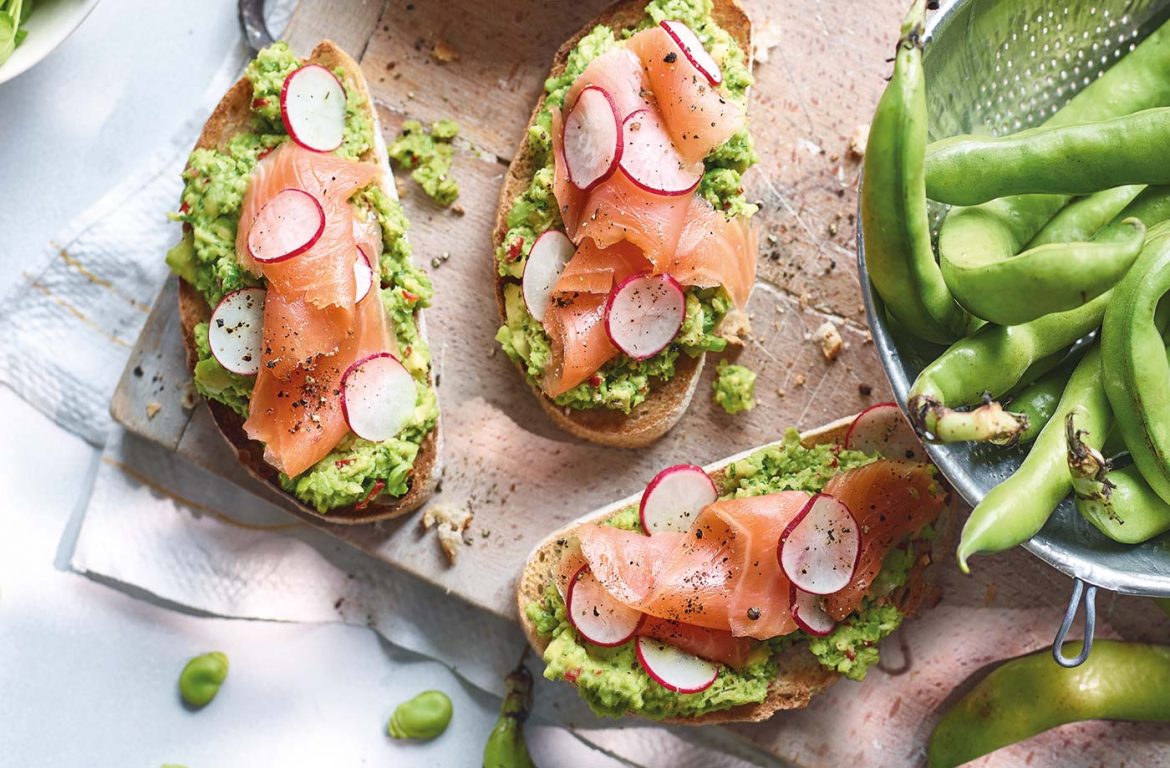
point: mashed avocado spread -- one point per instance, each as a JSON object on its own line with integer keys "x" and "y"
{"x": 623, "y": 383}
{"x": 215, "y": 182}
{"x": 612, "y": 681}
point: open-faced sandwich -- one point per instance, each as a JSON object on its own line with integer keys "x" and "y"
{"x": 731, "y": 594}
{"x": 624, "y": 250}
{"x": 300, "y": 305}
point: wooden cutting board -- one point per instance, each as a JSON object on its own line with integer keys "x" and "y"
{"x": 504, "y": 459}
{"x": 522, "y": 477}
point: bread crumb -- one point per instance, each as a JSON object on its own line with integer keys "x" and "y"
{"x": 858, "y": 140}
{"x": 443, "y": 52}
{"x": 189, "y": 398}
{"x": 765, "y": 37}
{"x": 152, "y": 409}
{"x": 829, "y": 339}
{"x": 450, "y": 524}
{"x": 799, "y": 380}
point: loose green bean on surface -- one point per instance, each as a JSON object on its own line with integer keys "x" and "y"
{"x": 1031, "y": 694}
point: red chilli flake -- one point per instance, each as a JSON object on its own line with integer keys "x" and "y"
{"x": 264, "y": 153}
{"x": 572, "y": 674}
{"x": 409, "y": 296}
{"x": 374, "y": 491}
{"x": 595, "y": 381}
{"x": 259, "y": 103}
{"x": 184, "y": 207}
{"x": 514, "y": 251}
{"x": 342, "y": 462}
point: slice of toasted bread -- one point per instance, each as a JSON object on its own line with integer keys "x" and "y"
{"x": 231, "y": 116}
{"x": 801, "y": 677}
{"x": 667, "y": 401}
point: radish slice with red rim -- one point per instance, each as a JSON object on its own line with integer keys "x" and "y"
{"x": 673, "y": 669}
{"x": 592, "y": 138}
{"x": 689, "y": 43}
{"x": 809, "y": 612}
{"x": 288, "y": 225}
{"x": 650, "y": 160}
{"x": 819, "y": 549}
{"x": 363, "y": 275}
{"x": 546, "y": 261}
{"x": 312, "y": 108}
{"x": 235, "y": 331}
{"x": 884, "y": 429}
{"x": 597, "y": 615}
{"x": 378, "y": 396}
{"x": 674, "y": 498}
{"x": 644, "y": 313}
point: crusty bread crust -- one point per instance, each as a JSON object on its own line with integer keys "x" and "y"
{"x": 231, "y": 116}
{"x": 667, "y": 401}
{"x": 800, "y": 678}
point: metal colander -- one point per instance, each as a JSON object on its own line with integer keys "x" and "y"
{"x": 995, "y": 67}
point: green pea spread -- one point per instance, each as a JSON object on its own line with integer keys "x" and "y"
{"x": 429, "y": 155}
{"x": 612, "y": 681}
{"x": 624, "y": 383}
{"x": 215, "y": 182}
{"x": 735, "y": 387}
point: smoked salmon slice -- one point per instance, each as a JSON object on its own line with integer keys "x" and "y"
{"x": 890, "y": 500}
{"x": 324, "y": 273}
{"x": 698, "y": 116}
{"x": 712, "y": 644}
{"x": 597, "y": 270}
{"x": 580, "y": 346}
{"x": 622, "y": 227}
{"x": 724, "y": 574}
{"x": 299, "y": 418}
{"x": 618, "y": 209}
{"x": 619, "y": 73}
{"x": 570, "y": 199}
{"x": 297, "y": 334}
{"x": 715, "y": 250}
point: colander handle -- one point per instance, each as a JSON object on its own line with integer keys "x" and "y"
{"x": 1089, "y": 593}
{"x": 252, "y": 23}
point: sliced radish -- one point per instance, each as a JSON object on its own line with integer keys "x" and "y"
{"x": 312, "y": 108}
{"x": 883, "y": 429}
{"x": 693, "y": 49}
{"x": 673, "y": 669}
{"x": 650, "y": 160}
{"x": 377, "y": 397}
{"x": 644, "y": 313}
{"x": 547, "y": 259}
{"x": 674, "y": 497}
{"x": 363, "y": 275}
{"x": 597, "y": 615}
{"x": 819, "y": 549}
{"x": 235, "y": 331}
{"x": 809, "y": 613}
{"x": 287, "y": 226}
{"x": 593, "y": 138}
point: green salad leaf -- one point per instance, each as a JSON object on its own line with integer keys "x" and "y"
{"x": 13, "y": 14}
